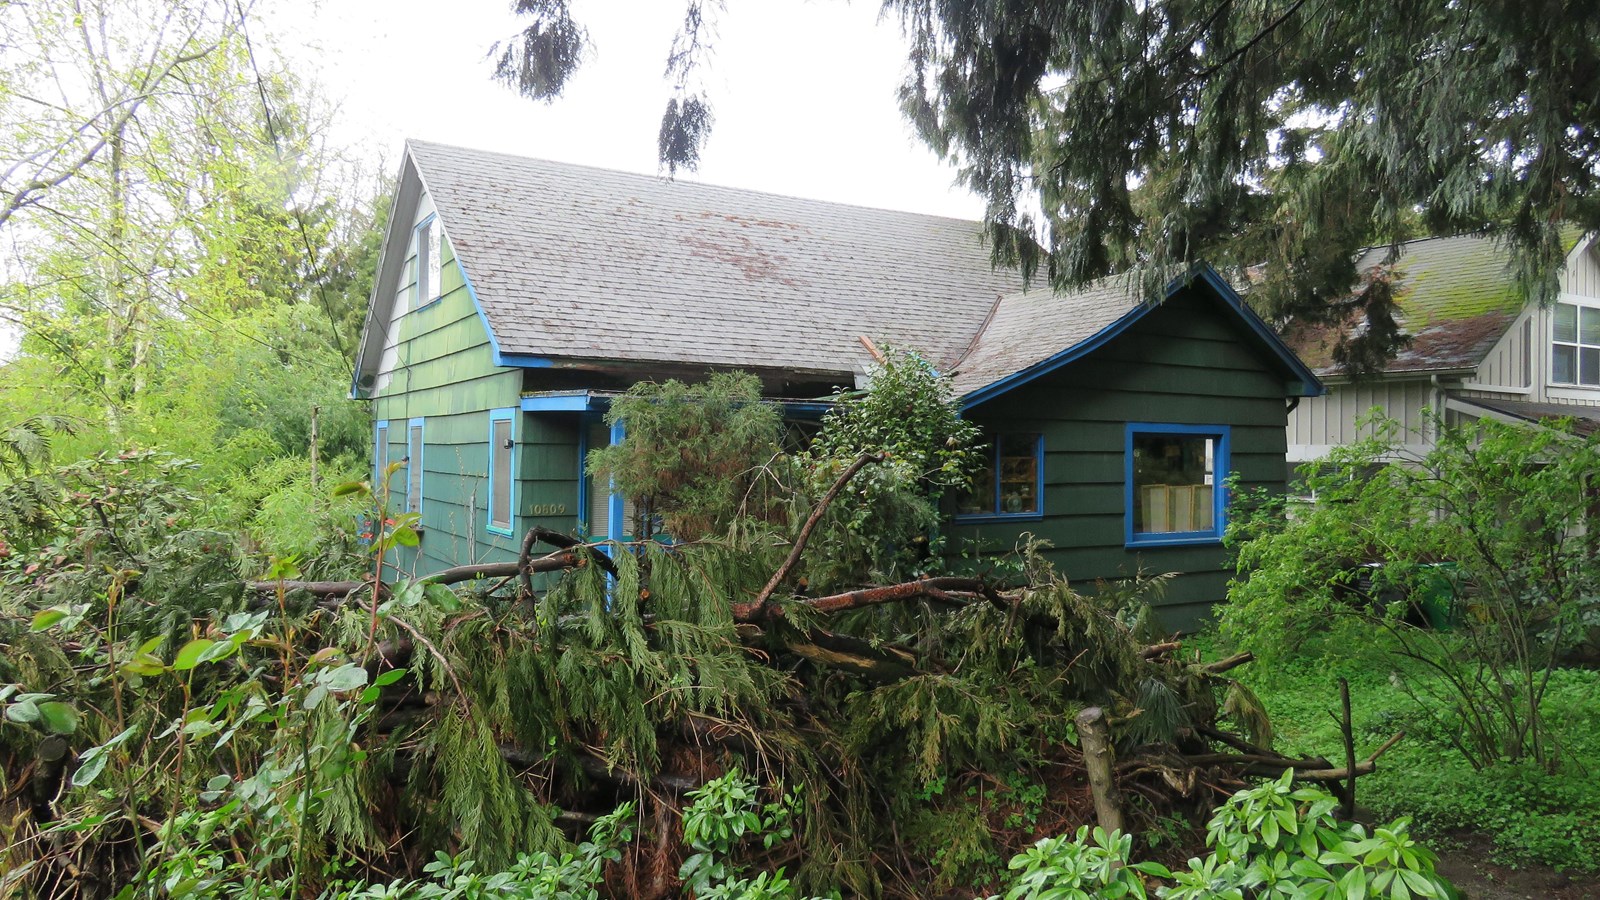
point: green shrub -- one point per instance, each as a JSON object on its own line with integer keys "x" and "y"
{"x": 1485, "y": 533}
{"x": 1273, "y": 840}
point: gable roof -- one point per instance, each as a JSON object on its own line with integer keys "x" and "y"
{"x": 585, "y": 263}
{"x": 1455, "y": 298}
{"x": 569, "y": 264}
{"x": 1033, "y": 333}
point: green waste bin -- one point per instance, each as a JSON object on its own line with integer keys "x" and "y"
{"x": 1436, "y": 596}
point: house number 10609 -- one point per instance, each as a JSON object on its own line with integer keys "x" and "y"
{"x": 549, "y": 509}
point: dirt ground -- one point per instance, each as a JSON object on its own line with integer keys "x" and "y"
{"x": 1464, "y": 859}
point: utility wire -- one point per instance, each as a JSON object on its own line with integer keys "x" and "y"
{"x": 318, "y": 276}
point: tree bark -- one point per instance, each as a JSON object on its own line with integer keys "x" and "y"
{"x": 1094, "y": 736}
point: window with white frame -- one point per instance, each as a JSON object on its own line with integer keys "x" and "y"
{"x": 1575, "y": 343}
{"x": 501, "y": 479}
{"x": 380, "y": 454}
{"x": 428, "y": 254}
{"x": 414, "y": 449}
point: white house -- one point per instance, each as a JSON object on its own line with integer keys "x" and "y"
{"x": 1476, "y": 351}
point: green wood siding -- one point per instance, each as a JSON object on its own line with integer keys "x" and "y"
{"x": 1182, "y": 364}
{"x": 444, "y": 372}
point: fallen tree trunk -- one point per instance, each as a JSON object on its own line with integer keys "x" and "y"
{"x": 554, "y": 562}
{"x": 936, "y": 589}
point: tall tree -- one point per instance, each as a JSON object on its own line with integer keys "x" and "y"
{"x": 1272, "y": 138}
{"x": 218, "y": 228}
{"x": 78, "y": 75}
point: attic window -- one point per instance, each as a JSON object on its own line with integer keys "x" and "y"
{"x": 1575, "y": 344}
{"x": 428, "y": 261}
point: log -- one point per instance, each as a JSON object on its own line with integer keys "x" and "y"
{"x": 1232, "y": 662}
{"x": 1347, "y": 730}
{"x": 554, "y": 562}
{"x": 1094, "y": 736}
{"x": 881, "y": 663}
{"x": 600, "y": 770}
{"x": 1155, "y": 650}
{"x": 927, "y": 588}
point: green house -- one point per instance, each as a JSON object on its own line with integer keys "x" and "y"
{"x": 515, "y": 297}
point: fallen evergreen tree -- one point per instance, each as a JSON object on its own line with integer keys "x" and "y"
{"x": 175, "y": 727}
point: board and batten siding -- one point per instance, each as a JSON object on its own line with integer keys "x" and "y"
{"x": 438, "y": 365}
{"x": 1517, "y": 367}
{"x": 1343, "y": 414}
{"x": 1182, "y": 365}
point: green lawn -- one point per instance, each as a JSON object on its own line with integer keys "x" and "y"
{"x": 1532, "y": 817}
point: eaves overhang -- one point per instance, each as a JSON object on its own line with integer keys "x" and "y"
{"x": 1302, "y": 382}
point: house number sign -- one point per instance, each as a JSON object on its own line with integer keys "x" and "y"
{"x": 549, "y": 509}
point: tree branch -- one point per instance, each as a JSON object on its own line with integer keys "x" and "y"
{"x": 811, "y": 523}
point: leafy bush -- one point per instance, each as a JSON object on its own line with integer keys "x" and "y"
{"x": 886, "y": 524}
{"x": 1273, "y": 840}
{"x": 1486, "y": 533}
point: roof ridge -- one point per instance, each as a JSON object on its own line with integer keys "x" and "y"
{"x": 696, "y": 185}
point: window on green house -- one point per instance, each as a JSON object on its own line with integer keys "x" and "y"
{"x": 1575, "y": 344}
{"x": 501, "y": 479}
{"x": 380, "y": 454}
{"x": 598, "y": 490}
{"x": 428, "y": 261}
{"x": 1011, "y": 481}
{"x": 1174, "y": 491}
{"x": 414, "y": 450}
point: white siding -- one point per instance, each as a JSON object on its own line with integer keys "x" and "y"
{"x": 1319, "y": 423}
{"x": 1517, "y": 368}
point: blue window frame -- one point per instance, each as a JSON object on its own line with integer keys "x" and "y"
{"x": 501, "y": 513}
{"x": 380, "y": 454}
{"x": 1011, "y": 484}
{"x": 415, "y": 447}
{"x": 1174, "y": 492}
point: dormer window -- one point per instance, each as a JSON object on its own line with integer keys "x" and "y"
{"x": 1575, "y": 343}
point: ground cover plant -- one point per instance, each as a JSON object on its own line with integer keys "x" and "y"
{"x": 1530, "y": 816}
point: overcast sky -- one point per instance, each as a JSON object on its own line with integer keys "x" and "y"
{"x": 803, "y": 91}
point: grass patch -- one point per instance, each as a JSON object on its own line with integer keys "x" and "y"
{"x": 1531, "y": 816}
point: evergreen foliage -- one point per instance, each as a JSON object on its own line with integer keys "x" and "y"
{"x": 1274, "y": 135}
{"x": 1270, "y": 138}
{"x": 692, "y": 452}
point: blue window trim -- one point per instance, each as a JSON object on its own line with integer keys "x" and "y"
{"x": 994, "y": 460}
{"x": 502, "y": 415}
{"x": 1221, "y": 462}
{"x": 583, "y": 477}
{"x": 421, "y": 423}
{"x": 421, "y": 302}
{"x": 616, "y": 528}
{"x": 380, "y": 451}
